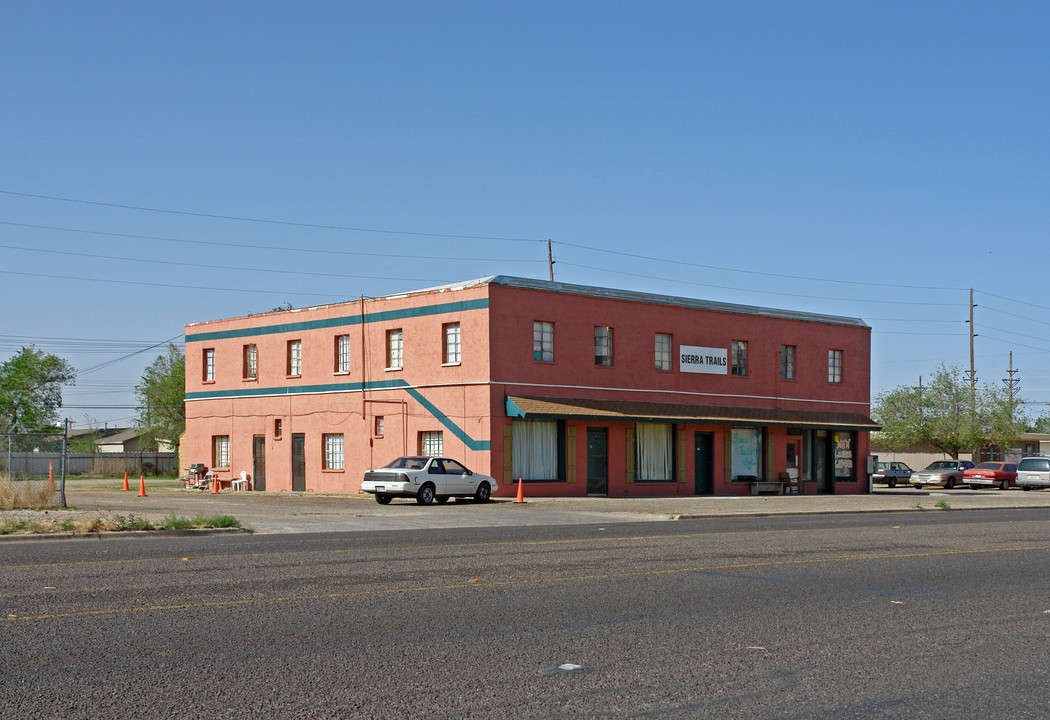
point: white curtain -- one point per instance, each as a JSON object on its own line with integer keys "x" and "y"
{"x": 653, "y": 441}
{"x": 535, "y": 449}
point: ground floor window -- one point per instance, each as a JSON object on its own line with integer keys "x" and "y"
{"x": 220, "y": 451}
{"x": 654, "y": 456}
{"x": 535, "y": 454}
{"x": 333, "y": 451}
{"x": 431, "y": 444}
{"x": 746, "y": 454}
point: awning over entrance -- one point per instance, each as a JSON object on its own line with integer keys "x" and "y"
{"x": 543, "y": 408}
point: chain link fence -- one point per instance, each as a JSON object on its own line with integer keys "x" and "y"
{"x": 36, "y": 456}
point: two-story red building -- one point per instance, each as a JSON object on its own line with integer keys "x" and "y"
{"x": 575, "y": 390}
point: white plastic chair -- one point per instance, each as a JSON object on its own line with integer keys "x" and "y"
{"x": 241, "y": 483}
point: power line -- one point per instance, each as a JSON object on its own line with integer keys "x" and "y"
{"x": 747, "y": 272}
{"x": 317, "y": 226}
{"x": 253, "y": 246}
{"x": 756, "y": 290}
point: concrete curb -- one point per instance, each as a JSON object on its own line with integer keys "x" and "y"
{"x": 187, "y": 532}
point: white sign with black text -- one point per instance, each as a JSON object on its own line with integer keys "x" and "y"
{"x": 713, "y": 361}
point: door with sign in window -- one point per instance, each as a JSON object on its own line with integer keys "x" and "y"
{"x": 793, "y": 450}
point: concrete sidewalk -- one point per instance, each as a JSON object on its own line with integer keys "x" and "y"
{"x": 305, "y": 512}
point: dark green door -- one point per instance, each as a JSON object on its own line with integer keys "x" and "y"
{"x": 597, "y": 461}
{"x": 259, "y": 462}
{"x": 298, "y": 462}
{"x": 704, "y": 472}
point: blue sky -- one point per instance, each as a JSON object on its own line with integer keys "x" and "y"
{"x": 165, "y": 163}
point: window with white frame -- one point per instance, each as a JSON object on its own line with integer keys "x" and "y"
{"x": 333, "y": 451}
{"x": 834, "y": 366}
{"x": 543, "y": 341}
{"x": 209, "y": 365}
{"x": 220, "y": 451}
{"x": 739, "y": 357}
{"x": 603, "y": 346}
{"x": 430, "y": 444}
{"x": 787, "y": 362}
{"x": 251, "y": 362}
{"x": 295, "y": 357}
{"x": 342, "y": 353}
{"x": 535, "y": 449}
{"x": 452, "y": 346}
{"x": 663, "y": 351}
{"x": 653, "y": 456}
{"x": 394, "y": 349}
{"x": 379, "y": 426}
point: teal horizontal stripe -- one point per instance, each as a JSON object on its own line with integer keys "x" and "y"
{"x": 345, "y": 321}
{"x": 430, "y": 407}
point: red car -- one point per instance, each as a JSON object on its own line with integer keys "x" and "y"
{"x": 1001, "y": 474}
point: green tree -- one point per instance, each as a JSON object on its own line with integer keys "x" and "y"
{"x": 940, "y": 415}
{"x": 161, "y": 396}
{"x": 31, "y": 389}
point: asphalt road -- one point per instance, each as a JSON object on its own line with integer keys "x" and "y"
{"x": 898, "y": 615}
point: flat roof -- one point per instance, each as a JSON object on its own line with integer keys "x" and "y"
{"x": 612, "y": 293}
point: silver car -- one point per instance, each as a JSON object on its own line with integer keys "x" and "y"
{"x": 1033, "y": 472}
{"x": 942, "y": 473}
{"x": 427, "y": 479}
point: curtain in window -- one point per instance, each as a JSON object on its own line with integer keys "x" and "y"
{"x": 653, "y": 442}
{"x": 535, "y": 449}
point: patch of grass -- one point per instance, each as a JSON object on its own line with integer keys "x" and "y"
{"x": 917, "y": 506}
{"x": 943, "y": 505}
{"x": 25, "y": 495}
{"x": 115, "y": 524}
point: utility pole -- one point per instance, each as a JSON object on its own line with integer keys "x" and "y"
{"x": 1012, "y": 384}
{"x": 550, "y": 261}
{"x": 973, "y": 372}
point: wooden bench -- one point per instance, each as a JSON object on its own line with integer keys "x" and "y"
{"x": 767, "y": 486}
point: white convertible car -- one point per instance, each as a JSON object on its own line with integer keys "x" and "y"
{"x": 427, "y": 479}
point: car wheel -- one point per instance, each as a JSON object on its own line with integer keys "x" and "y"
{"x": 382, "y": 499}
{"x": 1026, "y": 488}
{"x": 949, "y": 484}
{"x": 483, "y": 493}
{"x": 425, "y": 496}
{"x": 892, "y": 482}
{"x": 441, "y": 498}
{"x": 1004, "y": 485}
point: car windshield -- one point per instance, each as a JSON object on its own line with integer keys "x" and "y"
{"x": 989, "y": 466}
{"x": 883, "y": 466}
{"x": 943, "y": 465}
{"x": 408, "y": 463}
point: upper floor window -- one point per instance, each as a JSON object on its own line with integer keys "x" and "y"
{"x": 543, "y": 341}
{"x": 834, "y": 366}
{"x": 251, "y": 362}
{"x": 333, "y": 451}
{"x": 452, "y": 346}
{"x": 295, "y": 357}
{"x": 342, "y": 353}
{"x": 603, "y": 346}
{"x": 787, "y": 362}
{"x": 394, "y": 349}
{"x": 739, "y": 357}
{"x": 209, "y": 365}
{"x": 663, "y": 351}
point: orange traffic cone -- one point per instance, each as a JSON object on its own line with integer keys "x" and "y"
{"x": 215, "y": 485}
{"x": 142, "y": 486}
{"x": 126, "y": 480}
{"x": 521, "y": 492}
